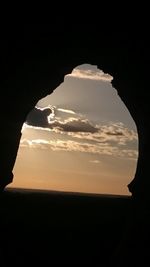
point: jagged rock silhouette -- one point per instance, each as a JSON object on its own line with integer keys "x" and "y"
{"x": 34, "y": 61}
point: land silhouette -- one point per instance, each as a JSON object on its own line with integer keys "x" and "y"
{"x": 61, "y": 229}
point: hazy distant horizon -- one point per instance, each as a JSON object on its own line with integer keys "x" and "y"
{"x": 59, "y": 192}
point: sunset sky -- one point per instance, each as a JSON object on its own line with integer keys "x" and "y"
{"x": 81, "y": 138}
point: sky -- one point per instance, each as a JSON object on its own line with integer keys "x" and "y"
{"x": 81, "y": 138}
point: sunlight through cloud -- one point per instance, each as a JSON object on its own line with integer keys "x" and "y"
{"x": 90, "y": 74}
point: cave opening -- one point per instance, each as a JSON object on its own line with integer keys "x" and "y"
{"x": 81, "y": 138}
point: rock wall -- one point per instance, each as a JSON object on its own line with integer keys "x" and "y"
{"x": 35, "y": 59}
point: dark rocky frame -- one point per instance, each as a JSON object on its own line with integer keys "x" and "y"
{"x": 34, "y": 61}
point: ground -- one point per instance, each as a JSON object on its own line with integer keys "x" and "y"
{"x": 61, "y": 229}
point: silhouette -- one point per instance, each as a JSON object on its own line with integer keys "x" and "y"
{"x": 38, "y": 117}
{"x": 34, "y": 66}
{"x": 34, "y": 61}
{"x": 60, "y": 229}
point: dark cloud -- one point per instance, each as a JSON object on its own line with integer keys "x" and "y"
{"x": 116, "y": 133}
{"x": 83, "y": 136}
{"x": 75, "y": 125}
{"x": 39, "y": 117}
{"x": 79, "y": 128}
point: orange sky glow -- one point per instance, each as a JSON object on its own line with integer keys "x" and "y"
{"x": 84, "y": 141}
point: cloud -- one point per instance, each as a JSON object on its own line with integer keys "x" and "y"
{"x": 74, "y": 125}
{"x": 112, "y": 132}
{"x": 45, "y": 118}
{"x": 40, "y": 117}
{"x": 113, "y": 138}
{"x": 89, "y": 74}
{"x": 36, "y": 143}
{"x": 96, "y": 161}
{"x": 66, "y": 110}
{"x": 74, "y": 146}
{"x": 79, "y": 128}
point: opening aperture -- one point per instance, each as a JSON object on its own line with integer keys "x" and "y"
{"x": 81, "y": 138}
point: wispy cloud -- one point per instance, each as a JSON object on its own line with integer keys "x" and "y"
{"x": 96, "y": 161}
{"x": 112, "y": 132}
{"x": 89, "y": 74}
{"x": 66, "y": 110}
{"x": 35, "y": 143}
{"x": 74, "y": 146}
{"x": 79, "y": 128}
{"x": 113, "y": 138}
